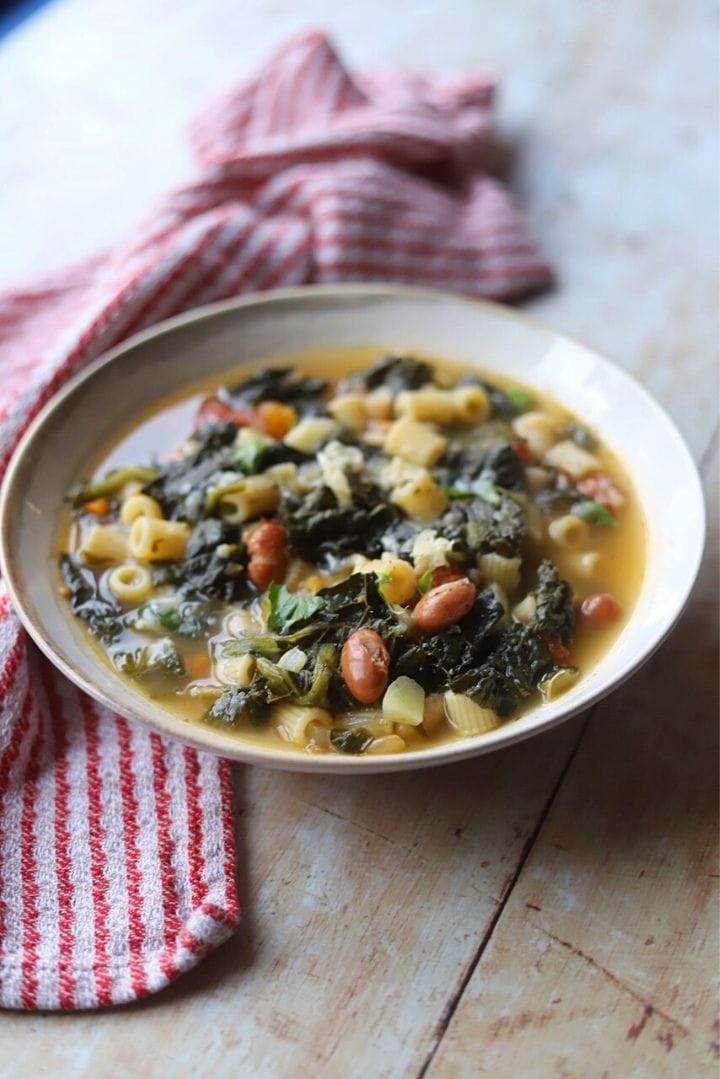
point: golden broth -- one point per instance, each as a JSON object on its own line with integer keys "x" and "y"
{"x": 621, "y": 550}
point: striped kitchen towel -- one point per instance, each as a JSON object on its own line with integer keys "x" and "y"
{"x": 117, "y": 859}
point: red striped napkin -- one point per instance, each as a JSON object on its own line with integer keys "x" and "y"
{"x": 117, "y": 859}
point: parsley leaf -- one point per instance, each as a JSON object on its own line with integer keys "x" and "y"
{"x": 249, "y": 455}
{"x": 286, "y": 608}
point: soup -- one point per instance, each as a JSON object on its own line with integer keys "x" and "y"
{"x": 407, "y": 554}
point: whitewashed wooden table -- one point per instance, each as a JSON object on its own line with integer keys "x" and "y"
{"x": 549, "y": 910}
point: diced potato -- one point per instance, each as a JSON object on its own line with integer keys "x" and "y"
{"x": 310, "y": 434}
{"x": 420, "y": 499}
{"x": 105, "y": 543}
{"x": 416, "y": 442}
{"x": 571, "y": 458}
{"x": 398, "y": 580}
{"x": 379, "y": 405}
{"x": 350, "y": 410}
{"x": 404, "y": 701}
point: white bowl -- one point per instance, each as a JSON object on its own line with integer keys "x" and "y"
{"x": 97, "y": 406}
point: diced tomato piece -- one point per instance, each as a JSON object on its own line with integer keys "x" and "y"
{"x": 523, "y": 451}
{"x": 600, "y": 609}
{"x": 558, "y": 651}
{"x": 600, "y": 488}
{"x": 213, "y": 410}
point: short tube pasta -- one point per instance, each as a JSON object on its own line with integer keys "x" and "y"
{"x": 568, "y": 531}
{"x": 293, "y": 721}
{"x": 496, "y": 569}
{"x": 130, "y": 583}
{"x": 158, "y": 541}
{"x": 139, "y": 505}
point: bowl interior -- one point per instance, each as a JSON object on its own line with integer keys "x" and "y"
{"x": 101, "y": 404}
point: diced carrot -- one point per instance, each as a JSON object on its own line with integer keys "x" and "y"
{"x": 523, "y": 451}
{"x": 97, "y": 506}
{"x": 197, "y": 665}
{"x": 600, "y": 609}
{"x": 276, "y": 419}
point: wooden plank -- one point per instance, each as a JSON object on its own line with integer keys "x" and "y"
{"x": 604, "y": 961}
{"x": 365, "y": 901}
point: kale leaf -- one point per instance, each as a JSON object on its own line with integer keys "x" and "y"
{"x": 395, "y": 373}
{"x": 237, "y": 704}
{"x": 102, "y": 617}
{"x": 181, "y": 485}
{"x": 477, "y": 526}
{"x": 279, "y": 384}
{"x": 517, "y": 662}
{"x": 213, "y": 567}
{"x": 354, "y": 741}
{"x": 554, "y": 601}
{"x": 497, "y": 463}
{"x": 318, "y": 527}
{"x": 149, "y": 660}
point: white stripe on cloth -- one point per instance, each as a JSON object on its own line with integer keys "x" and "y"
{"x": 117, "y": 856}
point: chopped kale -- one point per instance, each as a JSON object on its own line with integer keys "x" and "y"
{"x": 213, "y": 567}
{"x": 355, "y": 741}
{"x": 149, "y": 660}
{"x": 395, "y": 373}
{"x": 318, "y": 527}
{"x": 102, "y": 617}
{"x": 511, "y": 671}
{"x": 236, "y": 704}
{"x": 181, "y": 486}
{"x": 554, "y": 600}
{"x": 558, "y": 496}
{"x": 477, "y": 526}
{"x": 279, "y": 384}
{"x": 464, "y": 466}
{"x": 167, "y": 615}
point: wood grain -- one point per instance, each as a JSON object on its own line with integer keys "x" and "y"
{"x": 610, "y": 938}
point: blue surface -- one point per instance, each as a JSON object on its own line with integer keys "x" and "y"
{"x": 14, "y": 13}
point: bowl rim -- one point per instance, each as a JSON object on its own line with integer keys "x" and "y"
{"x": 230, "y": 746}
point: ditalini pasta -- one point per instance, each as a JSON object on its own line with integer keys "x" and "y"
{"x": 367, "y": 564}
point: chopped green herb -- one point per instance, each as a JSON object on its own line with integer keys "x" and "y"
{"x": 286, "y": 608}
{"x": 458, "y": 493}
{"x": 383, "y": 578}
{"x": 249, "y": 455}
{"x": 594, "y": 513}
{"x": 520, "y": 398}
{"x": 425, "y": 582}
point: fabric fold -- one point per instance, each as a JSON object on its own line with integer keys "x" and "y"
{"x": 117, "y": 855}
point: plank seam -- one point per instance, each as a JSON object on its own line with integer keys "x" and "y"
{"x": 454, "y": 1001}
